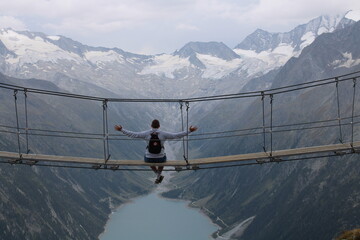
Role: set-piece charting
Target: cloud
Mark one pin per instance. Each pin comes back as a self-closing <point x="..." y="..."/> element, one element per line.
<point x="121" y="13"/>
<point x="164" y="23"/>
<point x="12" y="22"/>
<point x="113" y="15"/>
<point x="147" y="50"/>
<point x="272" y="14"/>
<point x="186" y="27"/>
<point x="89" y="26"/>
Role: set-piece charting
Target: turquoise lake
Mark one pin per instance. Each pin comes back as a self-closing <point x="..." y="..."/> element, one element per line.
<point x="154" y="217"/>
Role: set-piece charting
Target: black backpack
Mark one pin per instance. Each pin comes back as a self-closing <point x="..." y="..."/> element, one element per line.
<point x="154" y="144"/>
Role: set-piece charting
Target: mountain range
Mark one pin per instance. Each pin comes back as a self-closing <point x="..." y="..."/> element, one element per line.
<point x="196" y="68"/>
<point x="314" y="199"/>
<point x="324" y="47"/>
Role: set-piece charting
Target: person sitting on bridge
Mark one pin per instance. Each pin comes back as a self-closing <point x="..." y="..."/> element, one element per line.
<point x="155" y="150"/>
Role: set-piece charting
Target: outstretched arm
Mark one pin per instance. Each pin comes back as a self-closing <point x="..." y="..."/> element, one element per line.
<point x="180" y="134"/>
<point x="130" y="133"/>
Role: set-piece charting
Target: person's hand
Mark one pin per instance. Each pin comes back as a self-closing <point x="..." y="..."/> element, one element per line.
<point x="118" y="127"/>
<point x="192" y="128"/>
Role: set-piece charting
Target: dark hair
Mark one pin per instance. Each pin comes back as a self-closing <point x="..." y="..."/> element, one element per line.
<point x="155" y="123"/>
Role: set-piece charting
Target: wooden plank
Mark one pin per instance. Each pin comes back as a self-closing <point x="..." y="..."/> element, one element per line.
<point x="181" y="163"/>
<point x="82" y="160"/>
<point x="356" y="145"/>
<point x="312" y="150"/>
<point x="230" y="158"/>
<point x="278" y="153"/>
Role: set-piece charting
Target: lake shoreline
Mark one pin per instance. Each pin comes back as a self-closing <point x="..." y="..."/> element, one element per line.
<point x="190" y="204"/>
<point x="115" y="209"/>
<point x="157" y="192"/>
<point x="214" y="219"/>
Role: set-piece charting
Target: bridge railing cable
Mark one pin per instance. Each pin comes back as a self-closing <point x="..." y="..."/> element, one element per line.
<point x="274" y="91"/>
<point x="264" y="130"/>
<point x="193" y="137"/>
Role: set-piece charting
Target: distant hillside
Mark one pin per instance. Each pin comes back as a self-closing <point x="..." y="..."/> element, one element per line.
<point x="302" y="200"/>
<point x="314" y="199"/>
<point x="52" y="203"/>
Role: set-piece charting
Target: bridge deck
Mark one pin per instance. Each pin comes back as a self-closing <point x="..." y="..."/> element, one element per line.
<point x="193" y="162"/>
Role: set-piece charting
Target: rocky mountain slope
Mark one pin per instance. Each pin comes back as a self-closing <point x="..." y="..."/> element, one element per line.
<point x="51" y="203"/>
<point x="314" y="199"/>
<point x="198" y="69"/>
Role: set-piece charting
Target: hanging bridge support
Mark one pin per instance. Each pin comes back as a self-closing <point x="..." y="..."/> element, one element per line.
<point x="271" y="96"/>
<point x="338" y="109"/>
<point x="106" y="131"/>
<point x="26" y="122"/>
<point x="182" y="129"/>
<point x="263" y="120"/>
<point x="17" y="123"/>
<point x="268" y="127"/>
<point x="187" y="129"/>
<point x="271" y="124"/>
<point x="353" y="111"/>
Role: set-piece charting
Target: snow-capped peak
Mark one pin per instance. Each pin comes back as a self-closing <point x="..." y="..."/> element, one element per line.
<point x="262" y="40"/>
<point x="353" y="15"/>
<point x="273" y="50"/>
<point x="31" y="48"/>
<point x="216" y="49"/>
<point x="196" y="67"/>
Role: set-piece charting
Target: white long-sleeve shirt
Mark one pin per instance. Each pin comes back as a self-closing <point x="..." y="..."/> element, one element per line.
<point x="146" y="135"/>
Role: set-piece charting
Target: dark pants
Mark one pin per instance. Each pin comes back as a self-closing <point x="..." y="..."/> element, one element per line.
<point x="155" y="160"/>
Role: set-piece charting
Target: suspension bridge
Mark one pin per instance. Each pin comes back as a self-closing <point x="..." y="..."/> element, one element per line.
<point x="266" y="131"/>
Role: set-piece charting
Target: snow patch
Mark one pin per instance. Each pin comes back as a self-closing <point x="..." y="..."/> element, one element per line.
<point x="217" y="68"/>
<point x="307" y="39"/>
<point x="347" y="62"/>
<point x="284" y="49"/>
<point x="323" y="29"/>
<point x="99" y="56"/>
<point x="166" y="65"/>
<point x="353" y="15"/>
<point x="266" y="60"/>
<point x="246" y="53"/>
<point x="32" y="50"/>
<point x="54" y="38"/>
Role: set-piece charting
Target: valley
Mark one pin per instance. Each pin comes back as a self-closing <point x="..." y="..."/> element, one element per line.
<point x="292" y="200"/>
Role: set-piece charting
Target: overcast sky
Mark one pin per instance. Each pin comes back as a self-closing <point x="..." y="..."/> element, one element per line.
<point x="162" y="26"/>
